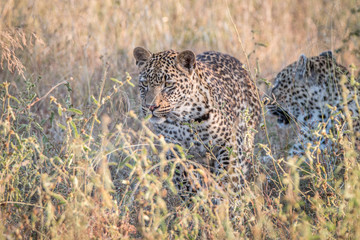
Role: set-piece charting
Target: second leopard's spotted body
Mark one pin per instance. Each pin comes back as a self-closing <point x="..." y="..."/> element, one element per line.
<point x="201" y="102"/>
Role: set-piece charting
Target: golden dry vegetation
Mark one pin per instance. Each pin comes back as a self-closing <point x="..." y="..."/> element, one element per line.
<point x="77" y="162"/>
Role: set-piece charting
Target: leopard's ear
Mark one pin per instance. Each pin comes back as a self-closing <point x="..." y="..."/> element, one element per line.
<point x="328" y="54"/>
<point x="141" y="55"/>
<point x="187" y="61"/>
<point x="301" y="67"/>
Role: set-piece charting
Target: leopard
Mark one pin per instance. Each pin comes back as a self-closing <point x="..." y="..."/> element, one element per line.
<point x="316" y="93"/>
<point x="205" y="103"/>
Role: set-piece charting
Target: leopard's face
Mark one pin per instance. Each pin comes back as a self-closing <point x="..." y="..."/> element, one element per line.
<point x="165" y="87"/>
<point x="281" y="94"/>
<point x="303" y="89"/>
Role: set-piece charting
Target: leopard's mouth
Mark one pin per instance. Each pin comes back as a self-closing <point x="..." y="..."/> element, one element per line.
<point x="156" y="116"/>
<point x="158" y="120"/>
<point x="283" y="116"/>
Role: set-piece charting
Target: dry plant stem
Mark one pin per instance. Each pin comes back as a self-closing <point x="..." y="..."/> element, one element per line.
<point x="356" y="85"/>
<point x="43" y="97"/>
<point x="20" y="203"/>
<point x="248" y="64"/>
<point x="9" y="114"/>
<point x="275" y="167"/>
<point x="106" y="68"/>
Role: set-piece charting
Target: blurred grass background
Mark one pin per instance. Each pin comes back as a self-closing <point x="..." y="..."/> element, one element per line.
<point x="75" y="34"/>
<point x="55" y="179"/>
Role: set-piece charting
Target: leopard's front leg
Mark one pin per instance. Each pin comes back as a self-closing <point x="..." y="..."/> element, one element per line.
<point x="231" y="169"/>
<point x="187" y="180"/>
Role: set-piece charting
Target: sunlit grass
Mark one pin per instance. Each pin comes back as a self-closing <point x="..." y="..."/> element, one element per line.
<point x="76" y="161"/>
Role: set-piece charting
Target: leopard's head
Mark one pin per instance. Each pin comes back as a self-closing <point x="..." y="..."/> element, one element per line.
<point x="166" y="83"/>
<point x="301" y="89"/>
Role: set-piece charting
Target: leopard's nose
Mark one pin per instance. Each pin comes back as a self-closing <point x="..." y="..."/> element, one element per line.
<point x="152" y="107"/>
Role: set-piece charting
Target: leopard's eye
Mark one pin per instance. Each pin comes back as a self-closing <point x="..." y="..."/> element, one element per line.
<point x="143" y="86"/>
<point x="169" y="84"/>
<point x="144" y="82"/>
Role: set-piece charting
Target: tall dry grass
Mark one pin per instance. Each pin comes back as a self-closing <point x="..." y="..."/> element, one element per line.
<point x="76" y="162"/>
